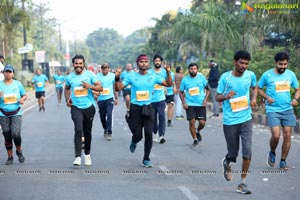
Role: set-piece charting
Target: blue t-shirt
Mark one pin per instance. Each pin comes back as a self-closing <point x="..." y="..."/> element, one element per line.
<point x="81" y="97"/>
<point x="39" y="82"/>
<point x="278" y="88"/>
<point x="10" y="96"/>
<point x="236" y="109"/>
<point x="170" y="90"/>
<point x="107" y="83"/>
<point x="142" y="87"/>
<point x="59" y="80"/>
<point x="159" y="90"/>
<point x="194" y="89"/>
<point x="124" y="74"/>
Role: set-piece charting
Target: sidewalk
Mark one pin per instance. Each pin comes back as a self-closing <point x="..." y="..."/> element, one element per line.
<point x="261" y="119"/>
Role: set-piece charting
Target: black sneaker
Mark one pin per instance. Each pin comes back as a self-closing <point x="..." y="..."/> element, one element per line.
<point x="199" y="137"/>
<point x="195" y="143"/>
<point x="162" y="140"/>
<point x="105" y="133"/>
<point x="170" y="124"/>
<point x="43" y="108"/>
<point x="10" y="161"/>
<point x="20" y="156"/>
<point x="40" y="109"/>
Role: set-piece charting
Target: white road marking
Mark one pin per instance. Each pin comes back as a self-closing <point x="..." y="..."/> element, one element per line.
<point x="188" y="193"/>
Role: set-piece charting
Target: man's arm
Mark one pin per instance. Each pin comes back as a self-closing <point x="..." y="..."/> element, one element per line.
<point x="296" y="97"/>
<point x="254" y="96"/>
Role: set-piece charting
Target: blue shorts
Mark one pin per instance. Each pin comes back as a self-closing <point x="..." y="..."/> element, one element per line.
<point x="285" y="118"/>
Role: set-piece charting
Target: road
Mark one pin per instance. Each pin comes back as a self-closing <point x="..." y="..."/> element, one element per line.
<point x="179" y="172"/>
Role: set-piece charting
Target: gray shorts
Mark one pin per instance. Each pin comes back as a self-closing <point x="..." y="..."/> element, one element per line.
<point x="232" y="134"/>
<point x="285" y="118"/>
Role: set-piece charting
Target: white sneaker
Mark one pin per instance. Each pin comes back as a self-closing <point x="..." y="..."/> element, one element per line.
<point x="87" y="160"/>
<point x="156" y="137"/>
<point x="77" y="161"/>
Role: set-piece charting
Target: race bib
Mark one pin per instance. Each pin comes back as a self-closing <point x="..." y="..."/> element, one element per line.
<point x="194" y="91"/>
<point x="282" y="86"/>
<point x="105" y="91"/>
<point x="10" y="99"/>
<point x="239" y="103"/>
<point x="80" y="92"/>
<point x="58" y="82"/>
<point x="158" y="87"/>
<point x="39" y="84"/>
<point x="142" y="95"/>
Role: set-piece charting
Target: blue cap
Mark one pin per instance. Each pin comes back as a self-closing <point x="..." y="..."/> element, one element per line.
<point x="8" y="67"/>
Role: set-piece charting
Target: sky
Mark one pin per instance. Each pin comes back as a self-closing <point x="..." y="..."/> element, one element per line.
<point x="78" y="18"/>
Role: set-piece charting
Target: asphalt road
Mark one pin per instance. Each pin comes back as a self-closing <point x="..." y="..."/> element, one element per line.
<point x="179" y="172"/>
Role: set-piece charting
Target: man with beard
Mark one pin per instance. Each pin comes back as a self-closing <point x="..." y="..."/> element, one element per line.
<point x="141" y="111"/>
<point x="79" y="96"/>
<point x="234" y="91"/>
<point x="194" y="93"/>
<point x="279" y="106"/>
<point x="159" y="101"/>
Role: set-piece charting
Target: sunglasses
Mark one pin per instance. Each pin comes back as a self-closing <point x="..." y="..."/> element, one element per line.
<point x="8" y="71"/>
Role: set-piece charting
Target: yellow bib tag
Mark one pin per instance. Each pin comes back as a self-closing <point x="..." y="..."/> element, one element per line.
<point x="282" y="86"/>
<point x="39" y="84"/>
<point x="158" y="87"/>
<point x="10" y="99"/>
<point x="105" y="91"/>
<point x="80" y="92"/>
<point x="142" y="95"/>
<point x="239" y="103"/>
<point x="194" y="91"/>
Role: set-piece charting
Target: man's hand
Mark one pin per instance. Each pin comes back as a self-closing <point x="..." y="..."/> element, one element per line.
<point x="85" y="85"/>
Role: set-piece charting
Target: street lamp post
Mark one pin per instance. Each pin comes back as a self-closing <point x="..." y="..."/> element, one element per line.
<point x="25" y="62"/>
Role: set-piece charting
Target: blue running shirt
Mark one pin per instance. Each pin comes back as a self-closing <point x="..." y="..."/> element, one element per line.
<point x="59" y="80"/>
<point x="236" y="109"/>
<point x="39" y="82"/>
<point x="142" y="87"/>
<point x="124" y="74"/>
<point x="159" y="90"/>
<point x="194" y="89"/>
<point x="12" y="94"/>
<point x="81" y="97"/>
<point x="278" y="87"/>
<point x="107" y="83"/>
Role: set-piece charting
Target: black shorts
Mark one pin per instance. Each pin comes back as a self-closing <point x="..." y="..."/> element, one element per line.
<point x="196" y="112"/>
<point x="126" y="92"/>
<point x="39" y="94"/>
<point x="170" y="99"/>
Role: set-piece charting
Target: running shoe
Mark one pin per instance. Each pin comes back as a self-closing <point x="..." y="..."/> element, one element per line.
<point x="271" y="159"/>
<point x="195" y="143"/>
<point x="87" y="160"/>
<point x="283" y="165"/>
<point x="10" y="161"/>
<point x="77" y="161"/>
<point x="243" y="189"/>
<point x="20" y="156"/>
<point x="226" y="170"/>
<point x="147" y="163"/>
<point x="132" y="147"/>
<point x="199" y="137"/>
